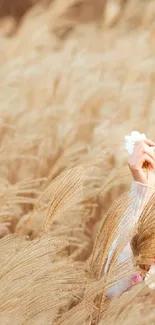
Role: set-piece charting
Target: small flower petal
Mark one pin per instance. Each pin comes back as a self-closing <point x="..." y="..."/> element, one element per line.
<point x="132" y="139"/>
<point x="129" y="147"/>
<point x="128" y="138"/>
<point x="135" y="134"/>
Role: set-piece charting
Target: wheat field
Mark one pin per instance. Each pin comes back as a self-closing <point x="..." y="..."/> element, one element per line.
<point x="75" y="77"/>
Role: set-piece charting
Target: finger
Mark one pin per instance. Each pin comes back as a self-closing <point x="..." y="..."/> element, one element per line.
<point x="142" y="147"/>
<point x="142" y="143"/>
<point x="149" y="160"/>
<point x="149" y="142"/>
<point x="147" y="150"/>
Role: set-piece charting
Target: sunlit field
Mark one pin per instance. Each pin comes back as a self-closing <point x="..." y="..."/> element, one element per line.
<point x="75" y="78"/>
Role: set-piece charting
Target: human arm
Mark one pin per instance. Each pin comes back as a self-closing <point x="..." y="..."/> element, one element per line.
<point x="140" y="194"/>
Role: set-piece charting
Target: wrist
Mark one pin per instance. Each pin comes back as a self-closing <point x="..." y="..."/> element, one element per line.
<point x="139" y="176"/>
<point x="146" y="178"/>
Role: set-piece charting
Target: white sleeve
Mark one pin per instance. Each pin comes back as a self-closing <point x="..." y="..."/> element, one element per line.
<point x="140" y="195"/>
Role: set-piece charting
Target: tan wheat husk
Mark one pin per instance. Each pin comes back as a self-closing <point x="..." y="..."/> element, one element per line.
<point x="74" y="80"/>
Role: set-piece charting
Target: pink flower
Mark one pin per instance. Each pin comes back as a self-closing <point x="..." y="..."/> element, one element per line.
<point x="137" y="278"/>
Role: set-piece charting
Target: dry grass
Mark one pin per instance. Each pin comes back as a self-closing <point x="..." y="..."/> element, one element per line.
<point x="74" y="80"/>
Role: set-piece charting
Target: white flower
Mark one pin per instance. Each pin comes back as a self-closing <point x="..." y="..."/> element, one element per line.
<point x="130" y="140"/>
<point x="149" y="274"/>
